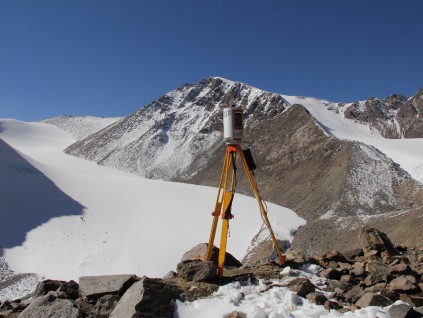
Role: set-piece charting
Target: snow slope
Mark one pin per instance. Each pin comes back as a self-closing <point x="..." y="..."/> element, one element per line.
<point x="123" y="223"/>
<point x="408" y="153"/>
<point x="80" y="127"/>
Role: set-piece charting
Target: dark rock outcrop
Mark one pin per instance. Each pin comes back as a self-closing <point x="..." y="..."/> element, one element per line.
<point x="197" y="271"/>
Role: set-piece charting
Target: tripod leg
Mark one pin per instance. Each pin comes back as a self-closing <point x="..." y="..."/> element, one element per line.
<point x="217" y="208"/>
<point x="262" y="209"/>
<point x="223" y="237"/>
<point x="226" y="214"/>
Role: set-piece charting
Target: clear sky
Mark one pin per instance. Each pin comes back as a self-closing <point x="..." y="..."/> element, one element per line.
<point x="109" y="58"/>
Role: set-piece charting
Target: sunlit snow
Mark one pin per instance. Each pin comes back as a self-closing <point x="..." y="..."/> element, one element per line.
<point x="125" y="224"/>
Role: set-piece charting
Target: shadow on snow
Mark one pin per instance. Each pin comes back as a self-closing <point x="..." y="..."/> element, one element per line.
<point x="27" y="198"/>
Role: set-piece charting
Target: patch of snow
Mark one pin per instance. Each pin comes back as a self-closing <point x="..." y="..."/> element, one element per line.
<point x="22" y="288"/>
<point x="370" y="173"/>
<point x="328" y="215"/>
<point x="260" y="301"/>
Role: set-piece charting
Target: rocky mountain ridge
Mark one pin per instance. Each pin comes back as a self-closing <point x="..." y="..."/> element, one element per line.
<point x="394" y="117"/>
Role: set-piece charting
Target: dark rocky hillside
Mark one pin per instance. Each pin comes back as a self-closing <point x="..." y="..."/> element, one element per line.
<point x="336" y="185"/>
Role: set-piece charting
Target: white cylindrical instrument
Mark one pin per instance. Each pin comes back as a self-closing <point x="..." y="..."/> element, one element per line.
<point x="233" y="126"/>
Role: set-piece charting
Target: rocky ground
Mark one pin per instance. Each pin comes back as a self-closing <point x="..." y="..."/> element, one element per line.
<point x="377" y="274"/>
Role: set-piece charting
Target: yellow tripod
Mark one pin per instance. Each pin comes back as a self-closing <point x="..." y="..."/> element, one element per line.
<point x="224" y="200"/>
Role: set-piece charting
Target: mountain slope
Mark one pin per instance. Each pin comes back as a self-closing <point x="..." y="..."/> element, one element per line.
<point x="323" y="179"/>
<point x="163" y="138"/>
<point x="80" y="127"/>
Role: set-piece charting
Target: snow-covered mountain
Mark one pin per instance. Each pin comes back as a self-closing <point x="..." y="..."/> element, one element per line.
<point x="162" y="139"/>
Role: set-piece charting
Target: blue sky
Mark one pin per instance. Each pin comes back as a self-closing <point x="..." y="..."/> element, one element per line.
<point x="109" y="58"/>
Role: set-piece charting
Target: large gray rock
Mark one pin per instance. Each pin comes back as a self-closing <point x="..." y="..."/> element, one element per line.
<point x="354" y="294"/>
<point x="302" y="286"/>
<point x="197" y="271"/>
<point x="52" y="307"/>
<point x="402" y="284"/>
<point x="372" y="299"/>
<point x="373" y="239"/>
<point x="147" y="298"/>
<point x="198" y="252"/>
<point x="401" y="311"/>
<point x="377" y="269"/>
<point x="94" y="287"/>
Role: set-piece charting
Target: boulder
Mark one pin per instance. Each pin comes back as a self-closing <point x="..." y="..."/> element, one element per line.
<point x="317" y="298"/>
<point x="371" y="280"/>
<point x="351" y="254"/>
<point x="377" y="269"/>
<point x="67" y="290"/>
<point x="235" y="314"/>
<point x="198" y="252"/>
<point x="346" y="279"/>
<point x="373" y="239"/>
<point x="294" y="256"/>
<point x="344" y="267"/>
<point x="400" y="268"/>
<point x="413" y="300"/>
<point x="197" y="271"/>
<point x="354" y="294"/>
<point x="401" y="311"/>
<point x="333" y="255"/>
<point x="302" y="286"/>
<point x="419" y="310"/>
<point x="104" y="306"/>
<point x="149" y="297"/>
<point x="94" y="287"/>
<point x="357" y="270"/>
<point x="402" y="284"/>
<point x="333" y="284"/>
<point x="170" y="275"/>
<point x="330" y="273"/>
<point x="53" y="307"/>
<point x="376" y="288"/>
<point x="331" y="305"/>
<point x="372" y="299"/>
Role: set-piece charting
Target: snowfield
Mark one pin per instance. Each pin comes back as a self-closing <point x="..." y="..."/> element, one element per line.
<point x="114" y="222"/>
